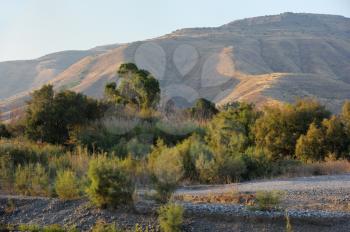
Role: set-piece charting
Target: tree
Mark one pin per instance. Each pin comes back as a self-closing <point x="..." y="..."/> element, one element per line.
<point x="327" y="139"/>
<point x="345" y="116"/>
<point x="310" y="147"/>
<point x="4" y="133"/>
<point x="203" y="109"/>
<point x="137" y="87"/>
<point x="278" y="130"/>
<point x="335" y="136"/>
<point x="230" y="131"/>
<point x="51" y="116"/>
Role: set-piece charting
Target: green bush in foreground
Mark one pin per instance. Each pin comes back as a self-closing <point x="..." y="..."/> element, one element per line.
<point x="168" y="171"/>
<point x="101" y="226"/>
<point x="30" y="228"/>
<point x="32" y="179"/>
<point x="66" y="185"/>
<point x="49" y="228"/>
<point x="268" y="200"/>
<point x="109" y="183"/>
<point x="171" y="217"/>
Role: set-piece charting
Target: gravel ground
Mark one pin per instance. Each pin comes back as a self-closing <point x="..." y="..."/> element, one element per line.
<point x="335" y="182"/>
<point x="328" y="193"/>
<point x="313" y="204"/>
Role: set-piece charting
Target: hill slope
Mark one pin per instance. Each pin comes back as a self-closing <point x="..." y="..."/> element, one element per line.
<point x="264" y="60"/>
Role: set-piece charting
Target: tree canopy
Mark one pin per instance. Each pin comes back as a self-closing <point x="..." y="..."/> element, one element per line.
<point x="278" y="130"/>
<point x="137" y="87"/>
<point x="50" y="116"/>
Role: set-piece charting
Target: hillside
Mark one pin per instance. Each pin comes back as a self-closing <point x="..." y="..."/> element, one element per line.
<point x="264" y="60"/>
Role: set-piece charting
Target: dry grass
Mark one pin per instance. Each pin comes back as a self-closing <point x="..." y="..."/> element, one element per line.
<point x="330" y="167"/>
<point x="228" y="197"/>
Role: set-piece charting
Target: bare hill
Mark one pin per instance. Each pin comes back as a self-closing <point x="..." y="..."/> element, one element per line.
<point x="266" y="60"/>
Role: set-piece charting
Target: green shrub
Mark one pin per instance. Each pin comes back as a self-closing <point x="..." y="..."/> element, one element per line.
<point x="32" y="179"/>
<point x="22" y="151"/>
<point x="109" y="183"/>
<point x="190" y="150"/>
<point x="257" y="164"/>
<point x="170" y="217"/>
<point x="67" y="186"/>
<point x="168" y="171"/>
<point x="54" y="228"/>
<point x="206" y="168"/>
<point x="7" y="172"/>
<point x="230" y="168"/>
<point x="49" y="228"/>
<point x="101" y="226"/>
<point x="4" y="133"/>
<point x="29" y="228"/>
<point x="268" y="200"/>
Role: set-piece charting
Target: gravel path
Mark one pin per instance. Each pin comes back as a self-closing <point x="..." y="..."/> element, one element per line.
<point x="328" y="193"/>
<point x="333" y="183"/>
<point x="314" y="204"/>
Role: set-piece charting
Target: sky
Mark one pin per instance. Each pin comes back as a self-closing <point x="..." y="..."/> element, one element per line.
<point x="32" y="28"/>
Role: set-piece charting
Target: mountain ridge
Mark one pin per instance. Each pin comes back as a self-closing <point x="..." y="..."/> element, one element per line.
<point x="265" y="60"/>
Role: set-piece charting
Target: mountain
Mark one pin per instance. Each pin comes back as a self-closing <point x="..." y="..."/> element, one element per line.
<point x="265" y="60"/>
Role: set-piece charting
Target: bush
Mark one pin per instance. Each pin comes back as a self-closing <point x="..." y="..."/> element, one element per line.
<point x="230" y="168"/>
<point x="266" y="200"/>
<point x="101" y="226"/>
<point x="206" y="168"/>
<point x="32" y="179"/>
<point x="4" y="133"/>
<point x="279" y="129"/>
<point x="109" y="183"/>
<point x="7" y="172"/>
<point x="54" y="228"/>
<point x="22" y="151"/>
<point x="49" y="228"/>
<point x="67" y="186"/>
<point x="168" y="171"/>
<point x="171" y="218"/>
<point x="257" y="164"/>
<point x="29" y="228"/>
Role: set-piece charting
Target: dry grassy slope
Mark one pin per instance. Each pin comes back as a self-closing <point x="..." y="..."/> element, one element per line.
<point x="265" y="60"/>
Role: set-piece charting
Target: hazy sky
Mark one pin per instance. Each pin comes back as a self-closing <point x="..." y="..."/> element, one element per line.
<point x="32" y="28"/>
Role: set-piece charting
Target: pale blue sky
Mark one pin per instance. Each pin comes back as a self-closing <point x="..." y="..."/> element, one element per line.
<point x="32" y="28"/>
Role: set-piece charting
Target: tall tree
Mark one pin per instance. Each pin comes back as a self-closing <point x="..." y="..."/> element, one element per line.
<point x="279" y="129"/>
<point x="50" y="116"/>
<point x="203" y="109"/>
<point x="137" y="87"/>
<point x="310" y="147"/>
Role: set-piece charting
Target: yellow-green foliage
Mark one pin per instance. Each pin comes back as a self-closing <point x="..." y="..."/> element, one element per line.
<point x="101" y="226"/>
<point x="67" y="186"/>
<point x="54" y="228"/>
<point x="6" y="172"/>
<point x="49" y="228"/>
<point x="110" y="184"/>
<point x="29" y="228"/>
<point x="171" y="217"/>
<point x="268" y="200"/>
<point x="167" y="169"/>
<point x="23" y="151"/>
<point x="289" y="227"/>
<point x="31" y="179"/>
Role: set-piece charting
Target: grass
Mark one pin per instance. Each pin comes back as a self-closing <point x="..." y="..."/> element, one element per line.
<point x="268" y="200"/>
<point x="232" y="196"/>
<point x="329" y="167"/>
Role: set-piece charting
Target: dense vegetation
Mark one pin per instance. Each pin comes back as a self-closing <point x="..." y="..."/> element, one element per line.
<point x="69" y="145"/>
